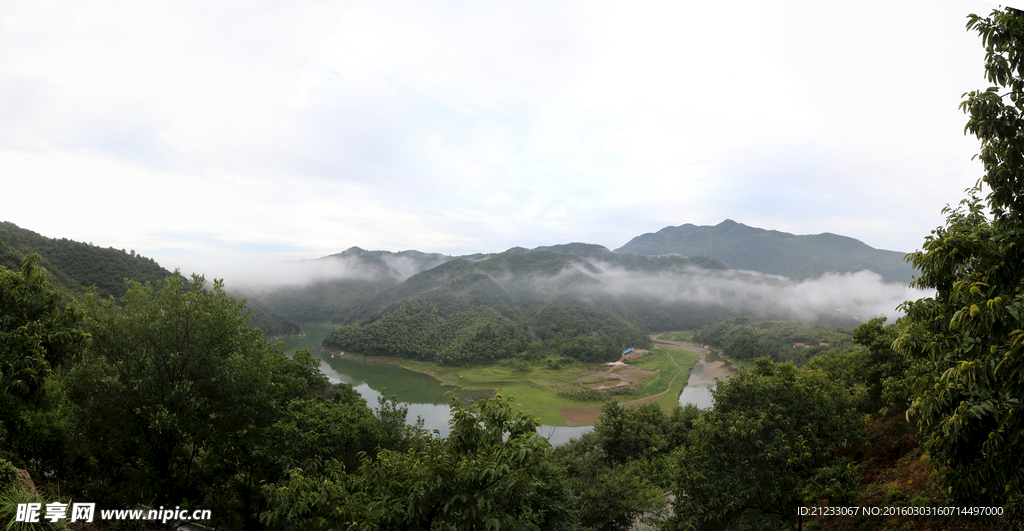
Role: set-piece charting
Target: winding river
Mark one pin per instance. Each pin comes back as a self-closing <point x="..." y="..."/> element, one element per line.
<point x="425" y="397"/>
<point x="420" y="393"/>
<point x="702" y="381"/>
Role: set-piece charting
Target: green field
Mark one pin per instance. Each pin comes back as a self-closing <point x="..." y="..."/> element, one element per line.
<point x="676" y="336"/>
<point x="536" y="390"/>
<point x="686" y="360"/>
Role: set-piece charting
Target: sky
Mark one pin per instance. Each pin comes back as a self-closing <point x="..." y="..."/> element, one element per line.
<point x="211" y="134"/>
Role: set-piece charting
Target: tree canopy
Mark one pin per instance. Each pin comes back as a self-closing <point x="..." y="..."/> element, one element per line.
<point x="769" y="446"/>
<point x="175" y="387"/>
<point x="39" y="335"/>
<point x="490" y="473"/>
<point x="965" y="342"/>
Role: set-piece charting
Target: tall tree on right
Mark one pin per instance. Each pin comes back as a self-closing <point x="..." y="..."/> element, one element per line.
<point x="965" y="343"/>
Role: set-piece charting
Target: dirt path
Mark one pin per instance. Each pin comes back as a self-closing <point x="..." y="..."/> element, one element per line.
<point x="685" y="345"/>
<point x="585" y="415"/>
<point x="657" y="397"/>
<point x="721" y="370"/>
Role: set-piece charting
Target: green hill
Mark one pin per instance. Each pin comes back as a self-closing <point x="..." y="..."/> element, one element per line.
<point x="358" y="275"/>
<point x="768" y="251"/>
<point x="74" y="266"/>
<point x="561" y="300"/>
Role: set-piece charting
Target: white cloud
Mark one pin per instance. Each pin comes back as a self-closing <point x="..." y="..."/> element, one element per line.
<point x="272" y="131"/>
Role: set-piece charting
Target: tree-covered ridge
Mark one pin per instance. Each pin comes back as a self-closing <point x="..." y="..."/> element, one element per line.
<point x="73" y="267"/>
<point x="362" y="275"/>
<point x="550" y="299"/>
<point x="768" y="251"/>
<point x="366" y="282"/>
<point x="745" y="338"/>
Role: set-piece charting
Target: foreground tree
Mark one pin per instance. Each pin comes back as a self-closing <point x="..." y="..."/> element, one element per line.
<point x="883" y="371"/>
<point x="175" y="397"/>
<point x="768" y="447"/>
<point x="627" y="433"/>
<point x="610" y="496"/>
<point x="492" y="472"/>
<point x="38" y="335"/>
<point x="966" y="341"/>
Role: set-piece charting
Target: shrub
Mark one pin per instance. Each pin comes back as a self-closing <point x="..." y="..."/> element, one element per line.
<point x="8" y="476"/>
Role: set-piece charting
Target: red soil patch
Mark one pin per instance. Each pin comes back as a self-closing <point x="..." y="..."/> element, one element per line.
<point x="580" y="415"/>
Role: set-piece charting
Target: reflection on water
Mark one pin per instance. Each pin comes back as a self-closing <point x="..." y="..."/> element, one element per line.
<point x="420" y="393"/>
<point x="702" y="381"/>
<point x="698" y="395"/>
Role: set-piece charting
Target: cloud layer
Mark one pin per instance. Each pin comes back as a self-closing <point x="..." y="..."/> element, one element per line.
<point x="859" y="295"/>
<point x="210" y="134"/>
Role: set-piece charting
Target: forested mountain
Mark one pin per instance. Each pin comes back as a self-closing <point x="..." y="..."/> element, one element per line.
<point x="768" y="251"/>
<point x="576" y="300"/>
<point x="165" y="396"/>
<point x="747" y="339"/>
<point x="340" y="282"/>
<point x="74" y="266"/>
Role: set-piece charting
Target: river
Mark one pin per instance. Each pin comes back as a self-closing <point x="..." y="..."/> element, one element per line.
<point x="420" y="393"/>
<point x="702" y="381"/>
<point x="424" y="396"/>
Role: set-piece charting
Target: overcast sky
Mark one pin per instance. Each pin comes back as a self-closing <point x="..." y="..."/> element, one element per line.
<point x="205" y="134"/>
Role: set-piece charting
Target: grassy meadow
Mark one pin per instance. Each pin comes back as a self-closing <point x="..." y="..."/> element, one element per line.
<point x="535" y="387"/>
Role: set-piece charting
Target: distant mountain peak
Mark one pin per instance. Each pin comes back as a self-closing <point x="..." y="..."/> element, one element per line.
<point x="798" y="257"/>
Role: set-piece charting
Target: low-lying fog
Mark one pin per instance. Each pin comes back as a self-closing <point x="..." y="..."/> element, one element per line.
<point x="260" y="278"/>
<point x="860" y="295"/>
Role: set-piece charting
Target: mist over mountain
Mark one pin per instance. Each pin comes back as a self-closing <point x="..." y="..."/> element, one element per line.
<point x="75" y="266"/>
<point x="549" y="299"/>
<point x="326" y="289"/>
<point x="798" y="257"/>
<point x="494" y="305"/>
<point x="587" y="302"/>
<point x="572" y="291"/>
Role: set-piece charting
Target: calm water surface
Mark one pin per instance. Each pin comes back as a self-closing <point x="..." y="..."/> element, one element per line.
<point x="423" y="395"/>
<point x="701" y="383"/>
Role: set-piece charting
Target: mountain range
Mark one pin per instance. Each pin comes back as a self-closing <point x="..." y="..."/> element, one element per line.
<point x="575" y="297"/>
<point x="798" y="257"/>
<point x="75" y="266"/>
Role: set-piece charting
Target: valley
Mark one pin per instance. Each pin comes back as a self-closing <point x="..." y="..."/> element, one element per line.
<point x="564" y="336"/>
<point x="657" y="375"/>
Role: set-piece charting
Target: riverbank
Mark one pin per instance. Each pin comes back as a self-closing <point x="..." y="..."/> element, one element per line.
<point x="657" y="375"/>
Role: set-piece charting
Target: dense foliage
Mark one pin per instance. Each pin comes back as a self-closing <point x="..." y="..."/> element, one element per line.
<point x="73" y="267"/>
<point x="491" y="472"/>
<point x="39" y="335"/>
<point x="965" y="343"/>
<point x="175" y="378"/>
<point x="769" y="446"/>
<point x="166" y="396"/>
<point x="744" y="338"/>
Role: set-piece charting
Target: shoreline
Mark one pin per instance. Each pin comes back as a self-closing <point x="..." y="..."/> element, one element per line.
<point x="550" y="405"/>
